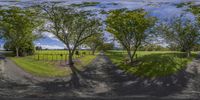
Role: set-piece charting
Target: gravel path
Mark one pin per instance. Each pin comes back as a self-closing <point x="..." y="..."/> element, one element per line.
<point x="104" y="80"/>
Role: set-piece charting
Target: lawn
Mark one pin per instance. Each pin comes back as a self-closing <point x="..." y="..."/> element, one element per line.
<point x="152" y="63"/>
<point x="49" y="68"/>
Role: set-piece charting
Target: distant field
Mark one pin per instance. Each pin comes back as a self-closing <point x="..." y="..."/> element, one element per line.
<point x="152" y="63"/>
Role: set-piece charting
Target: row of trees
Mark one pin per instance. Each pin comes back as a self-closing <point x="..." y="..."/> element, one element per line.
<point x="132" y="29"/>
<point x="75" y="28"/>
<point x="20" y="27"/>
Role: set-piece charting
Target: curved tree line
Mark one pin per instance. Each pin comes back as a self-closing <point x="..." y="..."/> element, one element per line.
<point x="20" y="27"/>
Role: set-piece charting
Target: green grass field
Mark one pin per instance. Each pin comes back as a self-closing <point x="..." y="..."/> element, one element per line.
<point x="57" y="54"/>
<point x="152" y="63"/>
<point x="50" y="68"/>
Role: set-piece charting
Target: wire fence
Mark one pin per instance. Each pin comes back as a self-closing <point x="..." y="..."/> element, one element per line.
<point x="58" y="56"/>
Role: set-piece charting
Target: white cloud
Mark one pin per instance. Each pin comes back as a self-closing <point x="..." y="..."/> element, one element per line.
<point x="50" y="35"/>
<point x="45" y="46"/>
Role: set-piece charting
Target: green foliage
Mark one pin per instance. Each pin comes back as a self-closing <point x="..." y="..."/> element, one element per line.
<point x="106" y="46"/>
<point x="180" y="5"/>
<point x="26" y="49"/>
<point x="183" y="33"/>
<point x="38" y="48"/>
<point x="196" y="47"/>
<point x="152" y="47"/>
<point x="94" y="42"/>
<point x="195" y="9"/>
<point x="70" y="26"/>
<point x="17" y="28"/>
<point x="85" y="4"/>
<point x="129" y="28"/>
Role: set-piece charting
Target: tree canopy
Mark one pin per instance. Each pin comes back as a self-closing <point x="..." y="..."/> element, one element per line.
<point x="17" y="27"/>
<point x="129" y="28"/>
<point x="73" y="28"/>
<point x="181" y="32"/>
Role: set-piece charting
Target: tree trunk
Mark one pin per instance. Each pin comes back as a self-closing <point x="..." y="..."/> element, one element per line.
<point x="130" y="56"/>
<point x="70" y="60"/>
<point x="17" y="51"/>
<point x="188" y="53"/>
<point x="134" y="52"/>
<point x="75" y="80"/>
<point x="93" y="51"/>
<point x="74" y="77"/>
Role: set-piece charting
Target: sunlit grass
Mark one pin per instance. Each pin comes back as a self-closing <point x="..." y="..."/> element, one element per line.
<point x="39" y="68"/>
<point x="47" y="69"/>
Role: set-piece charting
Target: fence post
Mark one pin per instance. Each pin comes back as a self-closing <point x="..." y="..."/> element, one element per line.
<point x="61" y="57"/>
<point x="56" y="57"/>
<point x="38" y="57"/>
<point x="66" y="57"/>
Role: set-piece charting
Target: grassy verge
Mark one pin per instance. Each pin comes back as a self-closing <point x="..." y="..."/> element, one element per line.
<point x="152" y="63"/>
<point x="47" y="69"/>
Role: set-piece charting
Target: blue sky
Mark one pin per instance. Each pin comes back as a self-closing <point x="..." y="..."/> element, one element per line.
<point x="158" y="8"/>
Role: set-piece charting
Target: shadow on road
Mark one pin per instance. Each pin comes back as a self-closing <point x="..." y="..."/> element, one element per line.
<point x="103" y="79"/>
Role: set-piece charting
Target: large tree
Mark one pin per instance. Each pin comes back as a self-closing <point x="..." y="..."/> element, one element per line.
<point x="129" y="28"/>
<point x="182" y="32"/>
<point x="17" y="27"/>
<point x="72" y="27"/>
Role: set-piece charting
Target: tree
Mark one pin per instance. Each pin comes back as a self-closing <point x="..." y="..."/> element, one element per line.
<point x="7" y="46"/>
<point x="38" y="48"/>
<point x="195" y="9"/>
<point x="106" y="46"/>
<point x="72" y="27"/>
<point x="17" y="26"/>
<point x="181" y="32"/>
<point x="26" y="49"/>
<point x="129" y="28"/>
<point x="94" y="42"/>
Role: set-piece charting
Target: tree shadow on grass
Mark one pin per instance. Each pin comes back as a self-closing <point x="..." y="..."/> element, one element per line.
<point x="143" y="82"/>
<point x="129" y="84"/>
<point x="158" y="65"/>
<point x="65" y="86"/>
